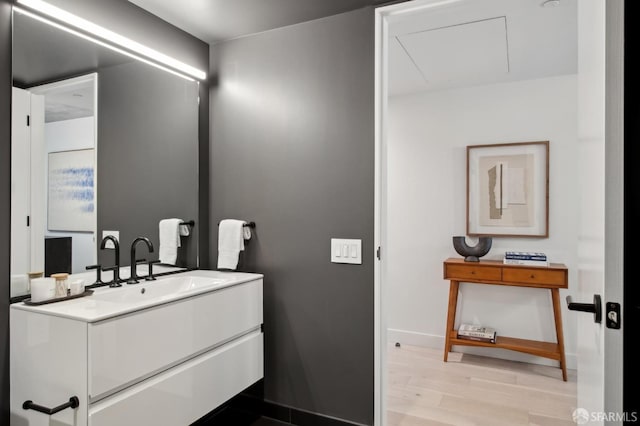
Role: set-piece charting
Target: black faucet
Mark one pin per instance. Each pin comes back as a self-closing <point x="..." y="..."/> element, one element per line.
<point x="134" y="261"/>
<point x="116" y="268"/>
<point x="98" y="281"/>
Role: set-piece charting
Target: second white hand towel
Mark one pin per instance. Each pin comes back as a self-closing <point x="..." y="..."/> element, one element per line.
<point x="169" y="240"/>
<point x="231" y="236"/>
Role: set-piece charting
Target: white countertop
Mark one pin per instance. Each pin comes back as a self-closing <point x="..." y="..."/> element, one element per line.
<point x="108" y="302"/>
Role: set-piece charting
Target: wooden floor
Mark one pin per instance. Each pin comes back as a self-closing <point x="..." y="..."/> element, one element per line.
<point x="472" y="390"/>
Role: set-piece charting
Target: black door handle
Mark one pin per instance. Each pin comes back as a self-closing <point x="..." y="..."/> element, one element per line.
<point x="595" y="308"/>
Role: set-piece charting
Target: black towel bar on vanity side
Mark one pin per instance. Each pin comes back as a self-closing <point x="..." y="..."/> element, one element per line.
<point x="248" y="224"/>
<point x="74" y="402"/>
<point x="189" y="223"/>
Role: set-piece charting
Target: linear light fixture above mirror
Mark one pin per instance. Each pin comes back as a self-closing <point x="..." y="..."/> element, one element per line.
<point x="108" y="38"/>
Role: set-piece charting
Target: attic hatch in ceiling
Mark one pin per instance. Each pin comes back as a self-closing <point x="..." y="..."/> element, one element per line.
<point x="465" y="52"/>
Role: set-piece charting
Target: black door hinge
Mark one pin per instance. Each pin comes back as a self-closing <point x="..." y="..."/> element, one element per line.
<point x="28" y="120"/>
<point x="28" y="221"/>
<point x="378" y="253"/>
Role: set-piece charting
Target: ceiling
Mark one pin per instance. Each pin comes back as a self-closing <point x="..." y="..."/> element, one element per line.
<point x="482" y="42"/>
<point x="69" y="102"/>
<point x="216" y="20"/>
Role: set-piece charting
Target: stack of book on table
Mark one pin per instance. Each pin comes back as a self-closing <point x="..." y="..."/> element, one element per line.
<point x="525" y="258"/>
<point x="477" y="333"/>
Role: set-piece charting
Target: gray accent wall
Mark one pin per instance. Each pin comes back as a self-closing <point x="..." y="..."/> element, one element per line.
<point x="5" y="202"/>
<point x="147" y="157"/>
<point x="203" y="227"/>
<point x="292" y="148"/>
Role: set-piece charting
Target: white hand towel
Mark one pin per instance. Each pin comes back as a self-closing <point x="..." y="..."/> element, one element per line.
<point x="169" y="240"/>
<point x="231" y="236"/>
<point x="185" y="230"/>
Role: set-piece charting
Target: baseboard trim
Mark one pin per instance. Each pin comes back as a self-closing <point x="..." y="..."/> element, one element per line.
<point x="249" y="405"/>
<point x="415" y="338"/>
<point x="298" y="417"/>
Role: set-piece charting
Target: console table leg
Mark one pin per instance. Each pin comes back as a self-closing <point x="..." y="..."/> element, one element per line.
<point x="451" y="317"/>
<point x="557" y="313"/>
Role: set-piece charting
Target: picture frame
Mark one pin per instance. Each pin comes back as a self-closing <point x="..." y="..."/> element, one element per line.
<point x="508" y="190"/>
<point x="71" y="191"/>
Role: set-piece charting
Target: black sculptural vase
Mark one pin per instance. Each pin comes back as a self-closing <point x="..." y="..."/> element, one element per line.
<point x="472" y="254"/>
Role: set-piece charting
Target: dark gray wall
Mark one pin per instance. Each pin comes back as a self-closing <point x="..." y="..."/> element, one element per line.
<point x="5" y="202"/>
<point x="203" y="228"/>
<point x="292" y="148"/>
<point x="147" y="156"/>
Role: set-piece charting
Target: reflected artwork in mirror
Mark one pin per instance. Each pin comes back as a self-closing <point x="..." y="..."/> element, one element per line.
<point x="101" y="143"/>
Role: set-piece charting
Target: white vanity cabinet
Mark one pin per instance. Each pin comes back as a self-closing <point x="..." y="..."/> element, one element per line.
<point x="169" y="361"/>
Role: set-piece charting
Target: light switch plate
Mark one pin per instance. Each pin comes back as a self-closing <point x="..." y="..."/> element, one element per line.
<point x="346" y="251"/>
<point x="109" y="244"/>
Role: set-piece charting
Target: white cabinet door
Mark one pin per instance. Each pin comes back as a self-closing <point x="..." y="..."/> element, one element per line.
<point x="48" y="366"/>
<point x="187" y="392"/>
<point x="125" y="350"/>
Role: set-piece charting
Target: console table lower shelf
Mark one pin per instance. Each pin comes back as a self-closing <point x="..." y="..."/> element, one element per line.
<point x="489" y="272"/>
<point x="533" y="347"/>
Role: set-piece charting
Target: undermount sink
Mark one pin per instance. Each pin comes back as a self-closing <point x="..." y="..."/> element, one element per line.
<point x="109" y="302"/>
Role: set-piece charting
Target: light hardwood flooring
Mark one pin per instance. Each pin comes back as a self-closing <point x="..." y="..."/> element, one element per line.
<point x="422" y="390"/>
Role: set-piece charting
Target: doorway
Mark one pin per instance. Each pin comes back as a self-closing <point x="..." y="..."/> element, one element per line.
<point x="457" y="73"/>
<point x="53" y="179"/>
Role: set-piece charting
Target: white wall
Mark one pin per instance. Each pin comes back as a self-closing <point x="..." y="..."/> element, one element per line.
<point x="70" y="135"/>
<point x="428" y="135"/>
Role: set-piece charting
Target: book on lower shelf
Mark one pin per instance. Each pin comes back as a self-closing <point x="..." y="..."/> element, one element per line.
<point x="477" y="339"/>
<point x="477" y="333"/>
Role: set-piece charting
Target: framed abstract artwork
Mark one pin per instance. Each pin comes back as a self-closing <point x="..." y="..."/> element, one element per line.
<point x="71" y="195"/>
<point x="508" y="189"/>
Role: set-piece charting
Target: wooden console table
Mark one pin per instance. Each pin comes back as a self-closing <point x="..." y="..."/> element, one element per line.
<point x="553" y="277"/>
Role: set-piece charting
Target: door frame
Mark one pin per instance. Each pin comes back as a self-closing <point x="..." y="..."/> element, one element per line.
<point x="382" y="17"/>
<point x="614" y="282"/>
<point x="631" y="315"/>
<point x="614" y="179"/>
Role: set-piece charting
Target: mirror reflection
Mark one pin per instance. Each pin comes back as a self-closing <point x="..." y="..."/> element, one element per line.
<point x="102" y="144"/>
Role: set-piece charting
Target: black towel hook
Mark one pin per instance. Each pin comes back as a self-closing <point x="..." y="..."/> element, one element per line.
<point x="247" y="225"/>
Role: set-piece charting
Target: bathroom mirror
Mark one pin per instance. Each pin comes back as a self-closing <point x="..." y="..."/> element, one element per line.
<point x="136" y="165"/>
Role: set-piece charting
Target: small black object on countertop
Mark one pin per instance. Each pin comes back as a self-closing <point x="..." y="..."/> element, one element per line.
<point x="58" y="299"/>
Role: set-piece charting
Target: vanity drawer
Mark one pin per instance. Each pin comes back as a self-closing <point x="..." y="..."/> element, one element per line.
<point x="472" y="272"/>
<point x="127" y="349"/>
<point x="187" y="392"/>
<point x="535" y="276"/>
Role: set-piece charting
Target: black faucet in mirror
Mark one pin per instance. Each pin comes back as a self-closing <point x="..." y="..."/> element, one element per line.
<point x="116" y="267"/>
<point x="134" y="261"/>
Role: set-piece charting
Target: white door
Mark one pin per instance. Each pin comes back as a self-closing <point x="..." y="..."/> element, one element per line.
<point x="601" y="193"/>
<point x="20" y="184"/>
<point x="37" y="185"/>
<point x="27" y="188"/>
